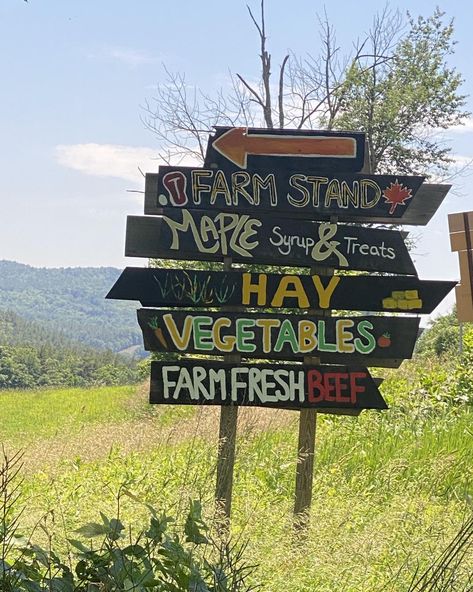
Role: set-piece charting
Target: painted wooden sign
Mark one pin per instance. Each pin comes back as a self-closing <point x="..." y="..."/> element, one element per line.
<point x="191" y="288"/>
<point x="300" y="194"/>
<point x="461" y="240"/>
<point x="325" y="388"/>
<point x="247" y="148"/>
<point x="201" y="235"/>
<point x="333" y="339"/>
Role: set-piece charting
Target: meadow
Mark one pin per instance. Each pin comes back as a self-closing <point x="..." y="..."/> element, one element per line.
<point x="391" y="488"/>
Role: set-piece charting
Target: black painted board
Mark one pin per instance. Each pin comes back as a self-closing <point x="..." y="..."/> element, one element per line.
<point x="274" y="336"/>
<point x="209" y="236"/>
<point x="427" y="201"/>
<point x="359" y="197"/>
<point x="281" y="386"/>
<point x="254" y="149"/>
<point x="192" y="288"/>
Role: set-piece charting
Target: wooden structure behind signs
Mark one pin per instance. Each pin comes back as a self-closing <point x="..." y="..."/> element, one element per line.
<point x="461" y="240"/>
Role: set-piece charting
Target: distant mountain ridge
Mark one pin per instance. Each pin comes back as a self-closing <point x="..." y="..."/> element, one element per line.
<point x="71" y="301"/>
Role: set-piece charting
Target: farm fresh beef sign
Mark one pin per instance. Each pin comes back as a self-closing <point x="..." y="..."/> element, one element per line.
<point x="190" y="234"/>
<point x="262" y="385"/>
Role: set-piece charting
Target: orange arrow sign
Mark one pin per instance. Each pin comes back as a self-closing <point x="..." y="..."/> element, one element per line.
<point x="236" y="144"/>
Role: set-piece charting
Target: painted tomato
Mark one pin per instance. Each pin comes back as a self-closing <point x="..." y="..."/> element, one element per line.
<point x="384" y="340"/>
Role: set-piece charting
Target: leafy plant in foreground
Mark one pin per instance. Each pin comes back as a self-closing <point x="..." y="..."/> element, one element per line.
<point x="156" y="559"/>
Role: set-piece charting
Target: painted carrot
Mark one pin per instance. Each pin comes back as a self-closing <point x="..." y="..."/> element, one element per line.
<point x="153" y="323"/>
<point x="162" y="340"/>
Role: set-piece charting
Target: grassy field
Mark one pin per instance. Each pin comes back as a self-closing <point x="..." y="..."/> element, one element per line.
<point x="391" y="489"/>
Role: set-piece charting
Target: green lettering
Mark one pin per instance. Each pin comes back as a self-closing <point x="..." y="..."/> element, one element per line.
<point x="323" y="345"/>
<point x="287" y="335"/>
<point x="243" y="334"/>
<point x="201" y="334"/>
<point x="362" y="347"/>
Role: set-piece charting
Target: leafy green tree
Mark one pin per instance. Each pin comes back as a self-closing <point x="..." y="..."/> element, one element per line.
<point x="399" y="100"/>
<point x="442" y="337"/>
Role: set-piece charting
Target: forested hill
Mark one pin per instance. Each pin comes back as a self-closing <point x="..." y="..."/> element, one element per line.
<point x="71" y="301"/>
<point x="32" y="356"/>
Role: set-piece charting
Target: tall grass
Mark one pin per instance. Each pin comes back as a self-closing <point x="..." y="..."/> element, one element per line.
<point x="390" y="490"/>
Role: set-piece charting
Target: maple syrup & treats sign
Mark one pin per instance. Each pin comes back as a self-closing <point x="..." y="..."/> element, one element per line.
<point x="193" y="288"/>
<point x="265" y="336"/>
<point x="289" y="386"/>
<point x="205" y="235"/>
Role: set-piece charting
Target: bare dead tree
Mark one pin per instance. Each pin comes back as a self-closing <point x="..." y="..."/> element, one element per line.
<point x="394" y="84"/>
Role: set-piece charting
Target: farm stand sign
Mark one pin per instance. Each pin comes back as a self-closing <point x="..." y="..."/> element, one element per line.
<point x="201" y="235"/>
<point x="286" y="386"/>
<point x="333" y="339"/>
<point x="300" y="195"/>
<point x="178" y="287"/>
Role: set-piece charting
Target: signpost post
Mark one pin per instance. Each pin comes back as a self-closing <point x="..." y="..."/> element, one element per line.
<point x="283" y="198"/>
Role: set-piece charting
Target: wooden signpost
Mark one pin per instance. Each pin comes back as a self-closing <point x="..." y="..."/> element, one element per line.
<point x="255" y="149"/>
<point x="155" y="287"/>
<point x="211" y="236"/>
<point x="360" y="339"/>
<point x="350" y="197"/>
<point x="276" y="197"/>
<point x="284" y="386"/>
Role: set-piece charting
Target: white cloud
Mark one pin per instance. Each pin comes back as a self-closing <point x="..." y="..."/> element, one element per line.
<point x="109" y="160"/>
<point x="462" y="161"/>
<point x="466" y="128"/>
<point x="130" y="56"/>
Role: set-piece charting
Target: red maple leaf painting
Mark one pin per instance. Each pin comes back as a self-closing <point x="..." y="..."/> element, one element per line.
<point x="396" y="195"/>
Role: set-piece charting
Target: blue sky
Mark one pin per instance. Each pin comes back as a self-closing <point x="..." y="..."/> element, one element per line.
<point x="75" y="74"/>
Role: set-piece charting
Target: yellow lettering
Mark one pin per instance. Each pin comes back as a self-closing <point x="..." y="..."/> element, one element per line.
<point x="197" y="186"/>
<point x="180" y="341"/>
<point x="267" y="325"/>
<point x="290" y="287"/>
<point x="365" y="185"/>
<point x="296" y="182"/>
<point x="239" y="181"/>
<point x="325" y="293"/>
<point x="350" y="195"/>
<point x="220" y="186"/>
<point x="227" y="343"/>
<point x="307" y="337"/>
<point x="258" y="288"/>
<point x="333" y="192"/>
<point x="316" y="183"/>
<point x="268" y="183"/>
<point x="344" y="336"/>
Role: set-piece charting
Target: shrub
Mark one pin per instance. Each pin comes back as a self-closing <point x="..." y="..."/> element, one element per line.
<point x="156" y="559"/>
